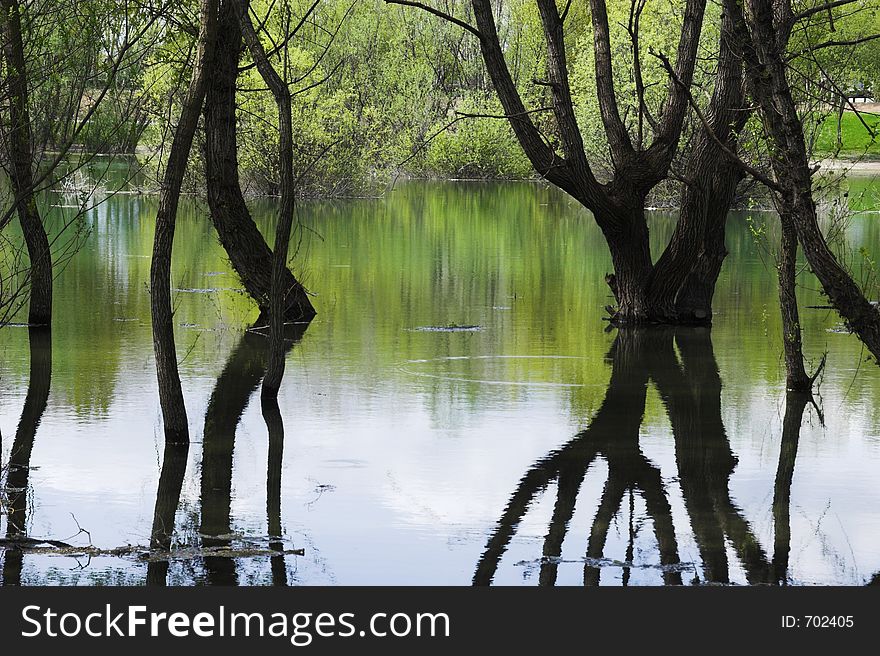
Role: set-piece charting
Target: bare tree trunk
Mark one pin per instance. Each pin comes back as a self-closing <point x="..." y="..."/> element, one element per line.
<point x="279" y="291"/>
<point x="693" y="304"/>
<point x="250" y="256"/>
<point x="684" y="277"/>
<point x="21" y="158"/>
<point x="766" y="70"/>
<point x="631" y="256"/>
<point x="797" y="379"/>
<point x="170" y="391"/>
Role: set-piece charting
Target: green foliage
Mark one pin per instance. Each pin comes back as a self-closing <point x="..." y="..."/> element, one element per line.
<point x="380" y="90"/>
<point x="855" y="138"/>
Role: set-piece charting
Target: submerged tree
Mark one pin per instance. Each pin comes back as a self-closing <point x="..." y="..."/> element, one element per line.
<point x="679" y="287"/>
<point x="20" y="150"/>
<point x="71" y="89"/>
<point x="170" y="391"/>
<point x="250" y="256"/>
<point x="280" y="289"/>
<point x="762" y="28"/>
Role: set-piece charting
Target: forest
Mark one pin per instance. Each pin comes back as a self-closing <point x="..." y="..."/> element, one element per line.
<point x="403" y="222"/>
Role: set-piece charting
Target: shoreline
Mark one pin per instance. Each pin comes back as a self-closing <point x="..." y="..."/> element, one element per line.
<point x="870" y="166"/>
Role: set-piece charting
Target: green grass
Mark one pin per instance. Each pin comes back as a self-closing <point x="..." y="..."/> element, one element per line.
<point x="856" y="139"/>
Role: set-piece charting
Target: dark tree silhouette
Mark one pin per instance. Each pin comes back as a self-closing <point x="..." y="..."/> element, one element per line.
<point x="235" y="386"/>
<point x="18" y="474"/>
<point x="690" y="388"/>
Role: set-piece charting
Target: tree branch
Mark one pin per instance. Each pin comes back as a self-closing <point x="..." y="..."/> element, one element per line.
<point x="615" y="130"/>
<point x="820" y="8"/>
<point x="831" y="44"/>
<point x="436" y="12"/>
<point x="755" y="173"/>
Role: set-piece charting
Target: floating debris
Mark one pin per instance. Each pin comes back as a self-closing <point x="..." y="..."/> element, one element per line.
<point x="145" y="554"/>
<point x="607" y="562"/>
<point x="205" y="290"/>
<point x="451" y="328"/>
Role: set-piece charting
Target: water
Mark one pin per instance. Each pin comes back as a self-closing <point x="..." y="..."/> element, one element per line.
<point x="457" y="411"/>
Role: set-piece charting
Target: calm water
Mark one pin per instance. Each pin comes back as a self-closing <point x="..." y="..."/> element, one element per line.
<point x="527" y="446"/>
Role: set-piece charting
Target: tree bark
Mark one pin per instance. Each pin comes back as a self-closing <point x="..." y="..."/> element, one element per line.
<point x="693" y="304"/>
<point x="250" y="256"/>
<point x="796" y="378"/>
<point x="278" y="290"/>
<point x="170" y="391"/>
<point x="631" y="256"/>
<point x="684" y="277"/>
<point x="766" y="71"/>
<point x="21" y="158"/>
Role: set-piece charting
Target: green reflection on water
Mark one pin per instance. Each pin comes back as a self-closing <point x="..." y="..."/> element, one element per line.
<point x="463" y="296"/>
<point x="519" y="262"/>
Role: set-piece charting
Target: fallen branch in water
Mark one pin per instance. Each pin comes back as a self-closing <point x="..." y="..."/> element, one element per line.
<point x="144" y="554"/>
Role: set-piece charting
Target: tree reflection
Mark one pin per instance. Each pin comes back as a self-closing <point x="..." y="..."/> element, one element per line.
<point x="690" y="388"/>
<point x="18" y="474"/>
<point x="795" y="404"/>
<point x="232" y="392"/>
<point x="167" y="500"/>
<point x="239" y="380"/>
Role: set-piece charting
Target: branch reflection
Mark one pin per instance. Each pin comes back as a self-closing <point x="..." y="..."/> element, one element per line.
<point x="689" y="385"/>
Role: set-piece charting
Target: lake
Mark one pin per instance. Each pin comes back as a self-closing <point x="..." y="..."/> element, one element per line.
<point x="457" y="413"/>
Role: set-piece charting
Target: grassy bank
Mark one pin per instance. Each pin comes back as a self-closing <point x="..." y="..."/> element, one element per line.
<point x="855" y="138"/>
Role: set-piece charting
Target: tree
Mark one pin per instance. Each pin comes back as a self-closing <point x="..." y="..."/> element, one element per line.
<point x="644" y="292"/>
<point x="72" y="87"/>
<point x="762" y="28"/>
<point x="21" y="157"/>
<point x="279" y="291"/>
<point x="250" y="256"/>
<point x="170" y="390"/>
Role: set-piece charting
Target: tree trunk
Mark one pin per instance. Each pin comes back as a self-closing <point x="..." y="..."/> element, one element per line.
<point x="796" y="378"/>
<point x="20" y="152"/>
<point x="278" y="289"/>
<point x="250" y="256"/>
<point x="170" y="391"/>
<point x="631" y="257"/>
<point x="685" y="275"/>
<point x="693" y="304"/>
<point x="766" y="75"/>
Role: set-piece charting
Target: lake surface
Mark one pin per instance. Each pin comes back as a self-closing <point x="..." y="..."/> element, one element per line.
<point x="457" y="412"/>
